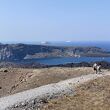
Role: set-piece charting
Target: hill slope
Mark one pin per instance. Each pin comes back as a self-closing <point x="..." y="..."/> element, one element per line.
<point x="24" y="51"/>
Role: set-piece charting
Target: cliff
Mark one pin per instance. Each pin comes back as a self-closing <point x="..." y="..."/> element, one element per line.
<point x="25" y="51"/>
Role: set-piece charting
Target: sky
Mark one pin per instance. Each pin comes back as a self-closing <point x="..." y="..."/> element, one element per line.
<point x="54" y="20"/>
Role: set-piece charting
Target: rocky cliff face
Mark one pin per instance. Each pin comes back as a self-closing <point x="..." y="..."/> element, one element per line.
<point x="5" y="53"/>
<point x="23" y="51"/>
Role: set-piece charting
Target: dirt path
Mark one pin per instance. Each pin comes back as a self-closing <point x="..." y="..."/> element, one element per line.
<point x="32" y="98"/>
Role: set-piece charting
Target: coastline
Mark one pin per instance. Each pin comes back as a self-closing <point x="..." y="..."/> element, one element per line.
<point x="104" y="64"/>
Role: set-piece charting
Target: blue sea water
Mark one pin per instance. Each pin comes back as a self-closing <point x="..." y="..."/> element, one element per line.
<point x="54" y="61"/>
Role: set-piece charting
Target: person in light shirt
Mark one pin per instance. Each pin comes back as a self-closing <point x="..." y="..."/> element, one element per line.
<point x="97" y="68"/>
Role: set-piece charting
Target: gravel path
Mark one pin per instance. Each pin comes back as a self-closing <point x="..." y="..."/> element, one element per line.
<point x="30" y="99"/>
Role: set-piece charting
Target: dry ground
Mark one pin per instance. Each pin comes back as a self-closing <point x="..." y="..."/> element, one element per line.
<point x="93" y="95"/>
<point x="17" y="80"/>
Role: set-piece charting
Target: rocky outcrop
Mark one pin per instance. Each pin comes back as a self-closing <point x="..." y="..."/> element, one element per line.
<point x="21" y="65"/>
<point x="23" y="51"/>
<point x="105" y="65"/>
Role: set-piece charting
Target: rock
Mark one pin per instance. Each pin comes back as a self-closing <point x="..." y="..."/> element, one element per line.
<point x="3" y="70"/>
<point x="16" y="105"/>
<point x="38" y="108"/>
<point x="23" y="104"/>
<point x="33" y="102"/>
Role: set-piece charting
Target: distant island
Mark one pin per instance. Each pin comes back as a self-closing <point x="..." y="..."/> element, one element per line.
<point x="13" y="52"/>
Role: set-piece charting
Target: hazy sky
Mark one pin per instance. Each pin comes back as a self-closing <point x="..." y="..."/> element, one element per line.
<point x="54" y="20"/>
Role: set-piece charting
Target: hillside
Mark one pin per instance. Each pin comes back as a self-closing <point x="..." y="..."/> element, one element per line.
<point x="54" y="96"/>
<point x="25" y="51"/>
<point x="92" y="95"/>
<point x="17" y="79"/>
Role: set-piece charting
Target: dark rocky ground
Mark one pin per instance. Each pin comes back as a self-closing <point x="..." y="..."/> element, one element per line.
<point x="104" y="64"/>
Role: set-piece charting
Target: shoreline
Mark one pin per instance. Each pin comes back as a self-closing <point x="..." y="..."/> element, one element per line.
<point x="7" y="64"/>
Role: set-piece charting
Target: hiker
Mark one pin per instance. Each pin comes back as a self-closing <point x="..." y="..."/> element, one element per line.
<point x="97" y="68"/>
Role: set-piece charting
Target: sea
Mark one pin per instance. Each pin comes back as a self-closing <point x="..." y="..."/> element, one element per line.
<point x="55" y="60"/>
